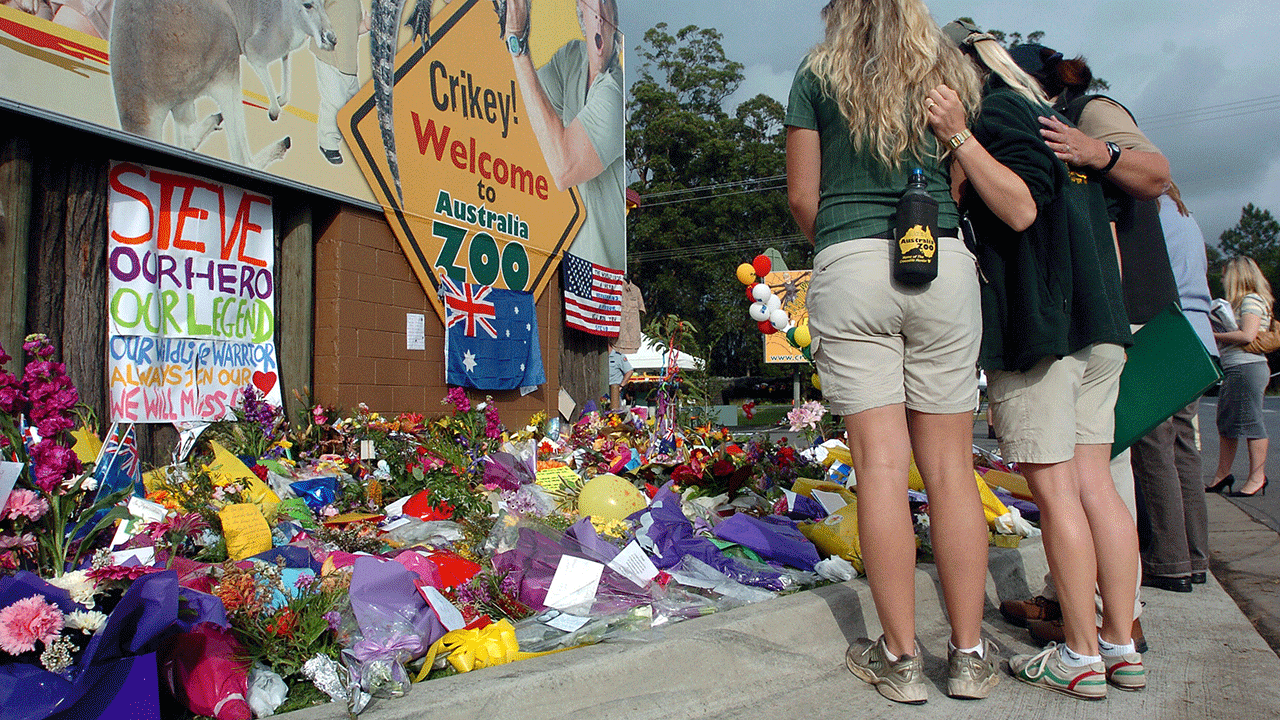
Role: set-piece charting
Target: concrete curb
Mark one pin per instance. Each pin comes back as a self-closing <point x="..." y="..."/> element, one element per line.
<point x="785" y="658"/>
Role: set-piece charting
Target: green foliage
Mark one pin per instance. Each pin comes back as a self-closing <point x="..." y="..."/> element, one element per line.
<point x="713" y="184"/>
<point x="1256" y="235"/>
<point x="667" y="329"/>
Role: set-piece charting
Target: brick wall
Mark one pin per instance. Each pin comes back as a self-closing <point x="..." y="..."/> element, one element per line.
<point x="364" y="288"/>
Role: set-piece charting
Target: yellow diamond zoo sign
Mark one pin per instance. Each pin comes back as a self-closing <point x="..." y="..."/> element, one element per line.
<point x="468" y="192"/>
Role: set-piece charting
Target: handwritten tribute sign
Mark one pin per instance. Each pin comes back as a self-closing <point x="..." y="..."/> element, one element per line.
<point x="191" y="296"/>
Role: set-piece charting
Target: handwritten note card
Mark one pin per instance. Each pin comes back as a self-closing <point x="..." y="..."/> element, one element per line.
<point x="575" y="582"/>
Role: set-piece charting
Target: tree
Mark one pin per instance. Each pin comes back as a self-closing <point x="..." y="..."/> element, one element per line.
<point x="1256" y="235"/>
<point x="713" y="190"/>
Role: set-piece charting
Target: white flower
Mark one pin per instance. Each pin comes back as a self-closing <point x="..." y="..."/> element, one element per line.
<point x="86" y="620"/>
<point x="89" y="484"/>
<point x="78" y="584"/>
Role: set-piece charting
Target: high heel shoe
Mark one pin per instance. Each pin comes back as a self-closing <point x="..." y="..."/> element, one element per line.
<point x="1262" y="490"/>
<point x="1223" y="485"/>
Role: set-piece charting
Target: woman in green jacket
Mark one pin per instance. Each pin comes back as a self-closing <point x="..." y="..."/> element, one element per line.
<point x="1054" y="331"/>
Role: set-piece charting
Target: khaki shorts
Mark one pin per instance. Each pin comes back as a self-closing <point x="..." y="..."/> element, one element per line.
<point x="1042" y="414"/>
<point x="877" y="342"/>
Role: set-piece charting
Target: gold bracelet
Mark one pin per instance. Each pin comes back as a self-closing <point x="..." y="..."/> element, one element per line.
<point x="958" y="139"/>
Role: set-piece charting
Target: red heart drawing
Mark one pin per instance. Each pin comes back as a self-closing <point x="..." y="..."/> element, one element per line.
<point x="264" y="381"/>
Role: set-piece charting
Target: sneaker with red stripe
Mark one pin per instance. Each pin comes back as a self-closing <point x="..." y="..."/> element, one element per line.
<point x="1046" y="669"/>
<point x="1126" y="671"/>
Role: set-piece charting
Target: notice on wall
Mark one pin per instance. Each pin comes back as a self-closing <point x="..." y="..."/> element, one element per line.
<point x="190" y="296"/>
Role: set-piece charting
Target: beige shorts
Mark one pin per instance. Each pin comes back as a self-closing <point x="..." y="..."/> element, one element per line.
<point x="1042" y="414"/>
<point x="877" y="342"/>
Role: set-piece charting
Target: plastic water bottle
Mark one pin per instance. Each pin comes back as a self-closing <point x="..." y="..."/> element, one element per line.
<point x="915" y="233"/>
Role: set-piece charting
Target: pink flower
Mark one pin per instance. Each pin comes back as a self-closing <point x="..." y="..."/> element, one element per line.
<point x="26" y="542"/>
<point x="25" y="503"/>
<point x="25" y="622"/>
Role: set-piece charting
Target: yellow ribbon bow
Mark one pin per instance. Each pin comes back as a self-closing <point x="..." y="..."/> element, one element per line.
<point x="468" y="650"/>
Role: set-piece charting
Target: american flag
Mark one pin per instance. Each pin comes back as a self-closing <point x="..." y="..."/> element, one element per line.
<point x="592" y="297"/>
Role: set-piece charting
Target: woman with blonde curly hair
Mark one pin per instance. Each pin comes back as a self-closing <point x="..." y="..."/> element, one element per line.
<point x="1244" y="377"/>
<point x="896" y="361"/>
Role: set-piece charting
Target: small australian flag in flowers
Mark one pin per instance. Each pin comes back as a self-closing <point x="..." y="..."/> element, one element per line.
<point x="491" y="337"/>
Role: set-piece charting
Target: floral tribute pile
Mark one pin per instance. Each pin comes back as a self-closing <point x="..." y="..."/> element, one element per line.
<point x="342" y="557"/>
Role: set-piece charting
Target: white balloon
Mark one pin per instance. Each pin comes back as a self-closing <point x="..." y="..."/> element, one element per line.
<point x="774" y="302"/>
<point x="759" y="312"/>
<point x="779" y="319"/>
<point x="761" y="292"/>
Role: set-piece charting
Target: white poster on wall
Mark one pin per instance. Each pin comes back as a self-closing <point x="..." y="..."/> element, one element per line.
<point x="190" y="296"/>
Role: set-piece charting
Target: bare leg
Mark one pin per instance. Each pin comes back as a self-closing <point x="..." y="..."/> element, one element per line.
<point x="1257" y="463"/>
<point x="1115" y="541"/>
<point x="1068" y="545"/>
<point x="881" y="459"/>
<point x="943" y="446"/>
<point x="1226" y="456"/>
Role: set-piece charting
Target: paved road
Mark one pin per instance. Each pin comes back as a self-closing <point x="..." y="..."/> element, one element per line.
<point x="1266" y="508"/>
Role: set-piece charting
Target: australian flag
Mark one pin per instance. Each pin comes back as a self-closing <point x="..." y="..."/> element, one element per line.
<point x="491" y="337"/>
<point x="119" y="465"/>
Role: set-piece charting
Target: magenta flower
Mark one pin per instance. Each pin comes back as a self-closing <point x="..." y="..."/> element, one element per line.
<point x="12" y="400"/>
<point x="38" y="344"/>
<point x="53" y="463"/>
<point x="25" y="622"/>
<point x="493" y="424"/>
<point x="457" y="397"/>
<point x="120" y="572"/>
<point x="25" y="503"/>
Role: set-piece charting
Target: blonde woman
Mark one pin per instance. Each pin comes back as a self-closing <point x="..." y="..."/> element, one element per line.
<point x="1244" y="378"/>
<point x="896" y="361"/>
<point x="1054" y="331"/>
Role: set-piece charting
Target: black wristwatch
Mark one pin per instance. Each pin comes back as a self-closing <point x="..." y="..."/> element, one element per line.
<point x="1114" y="151"/>
<point x="517" y="45"/>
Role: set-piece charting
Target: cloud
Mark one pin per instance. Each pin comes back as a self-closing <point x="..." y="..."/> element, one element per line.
<point x="1163" y="59"/>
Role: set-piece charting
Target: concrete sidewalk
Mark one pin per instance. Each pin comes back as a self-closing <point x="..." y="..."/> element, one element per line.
<point x="785" y="658"/>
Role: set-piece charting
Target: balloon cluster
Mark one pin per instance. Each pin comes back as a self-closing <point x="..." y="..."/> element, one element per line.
<point x="766" y="307"/>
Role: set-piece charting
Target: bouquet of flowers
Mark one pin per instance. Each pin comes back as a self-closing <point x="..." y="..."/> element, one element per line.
<point x="45" y="520"/>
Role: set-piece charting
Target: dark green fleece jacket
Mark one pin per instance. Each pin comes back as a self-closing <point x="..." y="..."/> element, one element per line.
<point x="1054" y="288"/>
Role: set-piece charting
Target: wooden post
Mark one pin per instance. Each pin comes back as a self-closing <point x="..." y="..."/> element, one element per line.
<point x="15" y="224"/>
<point x="84" y="299"/>
<point x="295" y="301"/>
<point x="584" y="362"/>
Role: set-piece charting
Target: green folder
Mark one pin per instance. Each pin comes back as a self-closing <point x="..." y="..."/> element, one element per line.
<point x="1166" y="369"/>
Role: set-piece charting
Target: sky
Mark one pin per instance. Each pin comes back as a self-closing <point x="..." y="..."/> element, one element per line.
<point x="1197" y="75"/>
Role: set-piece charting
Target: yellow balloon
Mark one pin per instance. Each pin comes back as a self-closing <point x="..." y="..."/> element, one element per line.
<point x="746" y="274"/>
<point x="610" y="497"/>
<point x="802" y="335"/>
<point x="817" y="381"/>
